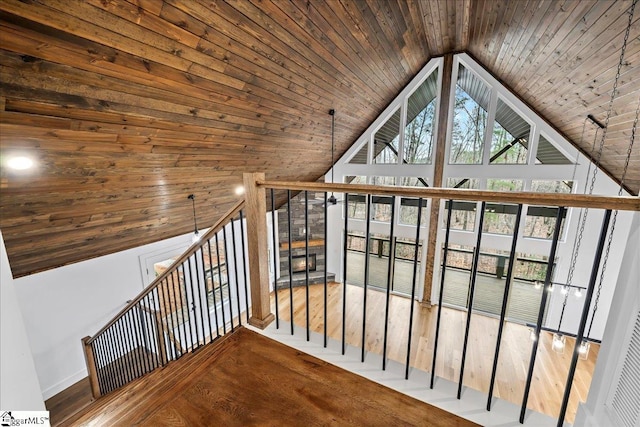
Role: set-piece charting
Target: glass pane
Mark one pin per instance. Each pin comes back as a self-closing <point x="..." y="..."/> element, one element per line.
<point x="357" y="208"/>
<point x="548" y="154"/>
<point x="501" y="218"/>
<point x="510" y="137"/>
<point x="418" y="133"/>
<point x="381" y="205"/>
<point x="469" y="119"/>
<point x="378" y="260"/>
<point x="409" y="207"/>
<point x="350" y="179"/>
<point x="403" y="265"/>
<point x="463" y="216"/>
<point x="360" y="158"/>
<point x="386" y="141"/>
<point x="540" y="221"/>
<point x="456" y="287"/>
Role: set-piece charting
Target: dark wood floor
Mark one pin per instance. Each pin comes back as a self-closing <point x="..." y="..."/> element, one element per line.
<point x="248" y="379"/>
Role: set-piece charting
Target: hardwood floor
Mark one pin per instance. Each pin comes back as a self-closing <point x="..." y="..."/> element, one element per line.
<point x="68" y="402"/>
<point x="550" y="371"/>
<point x="248" y="379"/>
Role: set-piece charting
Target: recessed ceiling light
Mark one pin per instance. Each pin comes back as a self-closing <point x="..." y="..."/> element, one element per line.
<point x="239" y="190"/>
<point x="20" y="163"/>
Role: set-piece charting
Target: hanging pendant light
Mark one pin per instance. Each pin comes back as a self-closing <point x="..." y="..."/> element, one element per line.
<point x="558" y="342"/>
<point x="332" y="199"/>
<point x="537" y="284"/>
<point x="578" y="292"/>
<point x="196" y="233"/>
<point x="583" y="350"/>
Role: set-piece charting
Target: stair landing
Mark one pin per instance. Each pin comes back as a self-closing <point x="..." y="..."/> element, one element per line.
<point x="249" y="379"/>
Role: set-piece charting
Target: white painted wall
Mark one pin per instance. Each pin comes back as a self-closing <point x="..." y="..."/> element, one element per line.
<point x="624" y="308"/>
<point x="63" y="305"/>
<point x="19" y="387"/>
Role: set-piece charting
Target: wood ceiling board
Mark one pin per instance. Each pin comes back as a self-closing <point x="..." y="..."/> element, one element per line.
<point x="130" y="106"/>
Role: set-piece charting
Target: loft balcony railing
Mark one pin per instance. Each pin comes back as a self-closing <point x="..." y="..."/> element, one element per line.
<point x="174" y="315"/>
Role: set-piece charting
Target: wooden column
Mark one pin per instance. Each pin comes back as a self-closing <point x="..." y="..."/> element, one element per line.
<point x="441" y="145"/>
<point x="256" y="207"/>
<point x="91" y="367"/>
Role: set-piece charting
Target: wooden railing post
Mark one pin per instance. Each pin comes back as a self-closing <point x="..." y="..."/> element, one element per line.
<point x="256" y="206"/>
<point x="91" y="367"/>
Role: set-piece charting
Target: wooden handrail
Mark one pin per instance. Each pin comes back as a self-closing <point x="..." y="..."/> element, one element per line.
<point x="625" y="203"/>
<point x="192" y="249"/>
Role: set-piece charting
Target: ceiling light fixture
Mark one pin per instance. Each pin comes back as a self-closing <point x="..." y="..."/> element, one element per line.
<point x="239" y="190"/>
<point x="332" y="199"/>
<point x="20" y="163"/>
<point x="196" y="233"/>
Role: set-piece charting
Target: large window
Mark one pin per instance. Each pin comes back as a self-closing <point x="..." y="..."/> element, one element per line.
<point x="419" y="131"/>
<point x="510" y="136"/>
<point x="386" y="141"/>
<point x="541" y="220"/>
<point x="469" y="119"/>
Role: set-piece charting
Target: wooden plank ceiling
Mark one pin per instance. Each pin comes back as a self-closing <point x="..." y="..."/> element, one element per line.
<point x="129" y="106"/>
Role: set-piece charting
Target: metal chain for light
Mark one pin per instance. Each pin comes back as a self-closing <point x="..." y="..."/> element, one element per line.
<point x="602" y="139"/>
<point x="582" y="218"/>
<point x="614" y="218"/>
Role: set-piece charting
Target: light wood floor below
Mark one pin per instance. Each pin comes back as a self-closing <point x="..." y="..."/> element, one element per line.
<point x="551" y="368"/>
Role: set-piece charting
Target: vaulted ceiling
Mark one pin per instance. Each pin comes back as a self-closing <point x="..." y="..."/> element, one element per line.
<point x="129" y="106"/>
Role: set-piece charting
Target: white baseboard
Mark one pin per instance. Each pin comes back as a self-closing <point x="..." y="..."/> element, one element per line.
<point x="64" y="384"/>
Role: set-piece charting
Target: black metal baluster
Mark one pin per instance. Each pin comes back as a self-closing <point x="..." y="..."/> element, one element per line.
<point x="224" y="320"/>
<point x="440" y="296"/>
<point x="169" y="318"/>
<point x="129" y="374"/>
<point x="191" y="307"/>
<point x="472" y="287"/>
<point x="413" y="287"/>
<point x="201" y="287"/>
<point x="226" y="261"/>
<point x="161" y="328"/>
<point x="195" y="296"/>
<point x="135" y="361"/>
<point x="235" y="270"/>
<point x="137" y="309"/>
<point x="275" y="258"/>
<point x="543" y="303"/>
<point x="152" y="334"/>
<point x="117" y="366"/>
<point x="389" y="279"/>
<point x="505" y="300"/>
<point x="306" y="259"/>
<point x="344" y="273"/>
<point x="206" y="308"/>
<point x="244" y="267"/>
<point x="113" y="365"/>
<point x="585" y="315"/>
<point x="182" y="327"/>
<point x="108" y="374"/>
<point x="187" y="304"/>
<point x="366" y="276"/>
<point x="290" y="260"/>
<point x="325" y="272"/>
<point x="213" y="289"/>
<point x="98" y="349"/>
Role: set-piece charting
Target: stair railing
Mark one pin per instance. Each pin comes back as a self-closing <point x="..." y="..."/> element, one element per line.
<point x="199" y="298"/>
